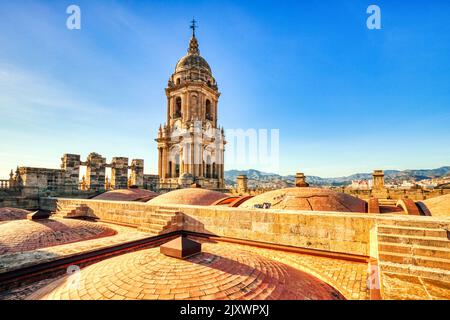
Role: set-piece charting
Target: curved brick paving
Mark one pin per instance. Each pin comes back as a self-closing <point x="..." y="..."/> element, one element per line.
<point x="25" y="235"/>
<point x="11" y="214"/>
<point x="214" y="274"/>
<point x="309" y="199"/>
<point x="189" y="196"/>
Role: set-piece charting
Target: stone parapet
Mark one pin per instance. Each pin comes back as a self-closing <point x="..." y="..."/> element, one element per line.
<point x="330" y="231"/>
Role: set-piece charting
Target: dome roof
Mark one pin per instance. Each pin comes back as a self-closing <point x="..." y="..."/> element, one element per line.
<point x="140" y="195"/>
<point x="192" y="61"/>
<point x="10" y="214"/>
<point x="26" y="235"/>
<point x="215" y="274"/>
<point x="439" y="206"/>
<point x="188" y="196"/>
<point x="307" y="199"/>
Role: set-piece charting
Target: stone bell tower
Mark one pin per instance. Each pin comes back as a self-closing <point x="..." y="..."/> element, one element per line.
<point x="190" y="143"/>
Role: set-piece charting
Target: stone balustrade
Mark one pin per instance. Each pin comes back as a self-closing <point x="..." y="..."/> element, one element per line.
<point x="5" y="184"/>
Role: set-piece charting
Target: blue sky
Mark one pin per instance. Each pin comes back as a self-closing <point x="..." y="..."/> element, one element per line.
<point x="346" y="99"/>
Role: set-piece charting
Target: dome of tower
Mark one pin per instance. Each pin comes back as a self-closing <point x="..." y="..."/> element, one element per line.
<point x="189" y="196"/>
<point x="307" y="199"/>
<point x="193" y="60"/>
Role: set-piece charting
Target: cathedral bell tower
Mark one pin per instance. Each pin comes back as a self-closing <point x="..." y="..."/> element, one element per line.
<point x="190" y="144"/>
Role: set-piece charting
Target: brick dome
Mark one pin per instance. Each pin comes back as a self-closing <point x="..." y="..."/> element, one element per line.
<point x="25" y="235"/>
<point x="439" y="206"/>
<point x="218" y="273"/>
<point x="10" y="214"/>
<point x="140" y="195"/>
<point x="308" y="199"/>
<point x="189" y="196"/>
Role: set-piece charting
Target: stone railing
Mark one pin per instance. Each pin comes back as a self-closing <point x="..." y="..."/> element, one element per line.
<point x="5" y="184"/>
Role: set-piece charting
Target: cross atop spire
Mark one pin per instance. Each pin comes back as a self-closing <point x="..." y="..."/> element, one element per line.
<point x="193" y="26"/>
<point x="193" y="44"/>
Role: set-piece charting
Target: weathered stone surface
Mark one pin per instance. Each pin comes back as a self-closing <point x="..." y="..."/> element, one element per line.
<point x="119" y="173"/>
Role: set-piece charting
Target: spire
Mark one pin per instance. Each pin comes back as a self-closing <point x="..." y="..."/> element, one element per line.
<point x="193" y="44"/>
<point x="193" y="27"/>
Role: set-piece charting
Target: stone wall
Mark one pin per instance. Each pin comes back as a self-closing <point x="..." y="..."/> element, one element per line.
<point x="119" y="173"/>
<point x="413" y="194"/>
<point x="37" y="177"/>
<point x="348" y="233"/>
<point x="137" y="173"/>
<point x="27" y="203"/>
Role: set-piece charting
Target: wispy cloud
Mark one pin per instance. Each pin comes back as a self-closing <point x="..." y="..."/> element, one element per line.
<point x="25" y="95"/>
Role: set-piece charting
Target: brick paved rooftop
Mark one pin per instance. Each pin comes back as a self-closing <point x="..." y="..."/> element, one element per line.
<point x="314" y="199"/>
<point x="439" y="206"/>
<point x="221" y="271"/>
<point x="189" y="196"/>
<point x="26" y="235"/>
<point x="10" y="214"/>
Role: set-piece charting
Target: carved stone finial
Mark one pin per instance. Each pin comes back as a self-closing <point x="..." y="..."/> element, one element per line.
<point x="193" y="46"/>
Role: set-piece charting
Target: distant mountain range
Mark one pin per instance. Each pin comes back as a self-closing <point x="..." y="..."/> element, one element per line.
<point x="391" y="176"/>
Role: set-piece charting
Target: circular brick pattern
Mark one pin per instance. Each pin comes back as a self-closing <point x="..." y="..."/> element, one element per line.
<point x="25" y="235"/>
<point x="11" y="214"/>
<point x="217" y="273"/>
<point x="309" y="199"/>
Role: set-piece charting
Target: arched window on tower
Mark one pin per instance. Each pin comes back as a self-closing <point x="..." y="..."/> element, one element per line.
<point x="177" y="112"/>
<point x="177" y="165"/>
<point x="208" y="112"/>
<point x="178" y="81"/>
<point x="214" y="171"/>
<point x="170" y="170"/>
<point x="208" y="167"/>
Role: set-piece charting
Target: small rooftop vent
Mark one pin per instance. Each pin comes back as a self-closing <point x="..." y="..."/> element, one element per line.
<point x="181" y="248"/>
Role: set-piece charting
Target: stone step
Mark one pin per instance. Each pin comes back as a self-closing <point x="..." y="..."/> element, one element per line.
<point x="168" y="209"/>
<point x="406" y="259"/>
<point x="162" y="222"/>
<point x="425" y="272"/>
<point x="161" y="216"/>
<point x="415" y="240"/>
<point x="166" y="213"/>
<point x="443" y="253"/>
<point x="152" y="226"/>
<point x="423" y="223"/>
<point x="413" y="231"/>
<point x="395" y="247"/>
<point x="147" y="230"/>
<point x="416" y="250"/>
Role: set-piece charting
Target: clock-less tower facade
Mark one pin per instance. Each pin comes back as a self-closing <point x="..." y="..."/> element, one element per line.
<point x="190" y="144"/>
